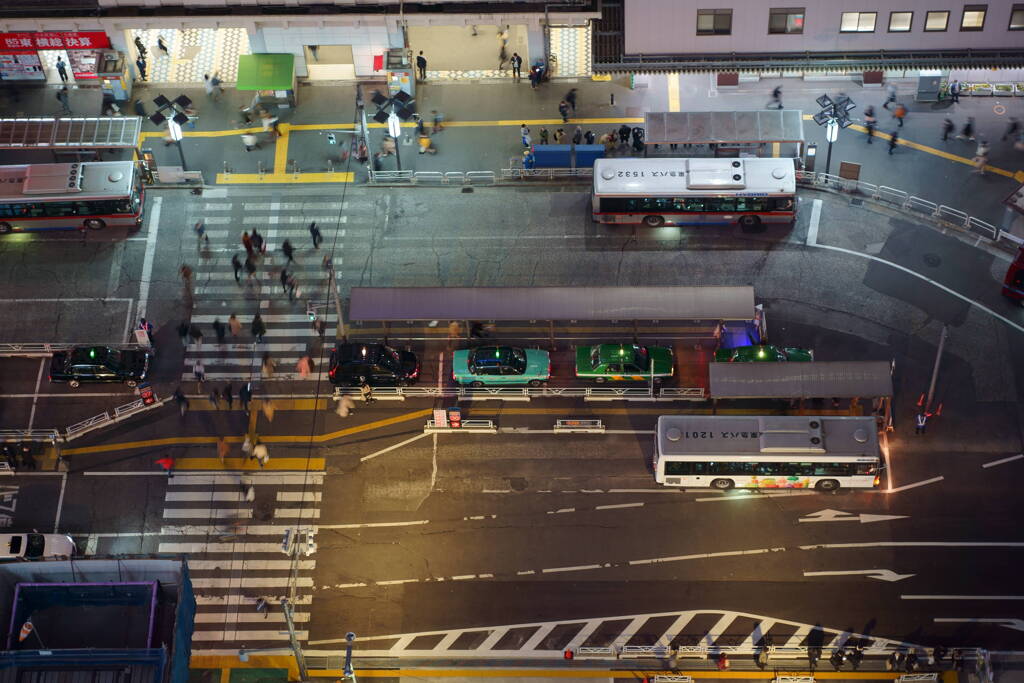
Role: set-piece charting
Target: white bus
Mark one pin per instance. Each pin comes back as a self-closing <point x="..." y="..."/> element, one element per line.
<point x="77" y="196"/>
<point x="658" y="192"/>
<point x="771" y="452"/>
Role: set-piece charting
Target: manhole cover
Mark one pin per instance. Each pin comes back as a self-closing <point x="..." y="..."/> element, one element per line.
<point x="932" y="260"/>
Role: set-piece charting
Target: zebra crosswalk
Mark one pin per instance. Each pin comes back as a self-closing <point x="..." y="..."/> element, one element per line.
<point x="236" y="554"/>
<point x="290" y="333"/>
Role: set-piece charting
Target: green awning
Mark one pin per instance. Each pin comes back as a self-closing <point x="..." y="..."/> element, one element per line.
<point x="266" y="72"/>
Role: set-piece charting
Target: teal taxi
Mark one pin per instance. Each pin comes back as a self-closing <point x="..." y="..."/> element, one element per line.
<point x="499" y="365"/>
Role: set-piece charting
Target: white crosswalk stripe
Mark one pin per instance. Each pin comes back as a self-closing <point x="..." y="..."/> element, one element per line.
<point x="235" y="552"/>
<point x="289" y="330"/>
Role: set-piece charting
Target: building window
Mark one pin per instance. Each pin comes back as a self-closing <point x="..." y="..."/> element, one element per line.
<point x="714" y="22"/>
<point x="974" y="18"/>
<point x="900" y="22"/>
<point x="786" y="20"/>
<point x="936" y="21"/>
<point x="1017" y="18"/>
<point x="858" y="22"/>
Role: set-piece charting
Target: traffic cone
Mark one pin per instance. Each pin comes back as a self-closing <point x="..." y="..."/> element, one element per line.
<point x="567" y="654"/>
<point x="920" y="401"/>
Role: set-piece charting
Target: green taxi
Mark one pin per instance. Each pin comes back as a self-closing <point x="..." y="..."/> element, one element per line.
<point x="763" y="353"/>
<point x="623" y="363"/>
<point x="495" y="365"/>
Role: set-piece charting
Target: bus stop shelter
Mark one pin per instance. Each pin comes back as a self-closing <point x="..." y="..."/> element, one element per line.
<point x="271" y="76"/>
<point x="726" y="130"/>
<point x="71" y="135"/>
<point x="708" y="307"/>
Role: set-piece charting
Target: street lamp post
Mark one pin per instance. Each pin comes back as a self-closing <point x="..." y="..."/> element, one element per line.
<point x="349" y="673"/>
<point x="395" y="129"/>
<point x="831" y="135"/>
<point x="175" y="114"/>
<point x="834" y="114"/>
<point x="174" y="128"/>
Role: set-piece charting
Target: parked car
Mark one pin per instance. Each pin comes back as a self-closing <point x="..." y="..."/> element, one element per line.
<point x="623" y="362"/>
<point x="99" y="364"/>
<point x="763" y="353"/>
<point x="486" y="365"/>
<point x="35" y="546"/>
<point x="375" y="364"/>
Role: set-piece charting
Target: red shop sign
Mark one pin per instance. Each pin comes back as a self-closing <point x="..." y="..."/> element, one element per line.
<point x="55" y="40"/>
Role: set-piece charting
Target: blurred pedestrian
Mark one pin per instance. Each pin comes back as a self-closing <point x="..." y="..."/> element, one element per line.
<point x="559" y="136"/>
<point x="257" y="328"/>
<point x="870" y="122"/>
<point x="534" y="78"/>
<point x="314" y="234"/>
<point x="345" y="406"/>
<point x="219" y="330"/>
<point x="524" y="135"/>
<point x="139" y="46"/>
<point x="954" y="91"/>
<point x="1012" y="128"/>
<point x="198" y="371"/>
<point x="304" y="366"/>
<point x="899" y="113"/>
<point x="215" y="398"/>
<point x="223" y="449"/>
<point x="292" y="287"/>
<point x="624" y="131"/>
<point x="366" y="393"/>
<point x="229" y="396"/>
<point x="263" y="606"/>
<point x="890" y="95"/>
<point x="543" y="136"/>
<point x="320" y="327"/>
<point x="236" y="265"/>
<point x="967" y="132"/>
<point x="981" y="158"/>
<point x="140" y="64"/>
<point x="247" y="444"/>
<point x="284" y="279"/>
<point x="776" y="101"/>
<point x="181" y="401"/>
<point x="247" y="242"/>
<point x="62" y="97"/>
<point x="589" y="137"/>
<point x="259" y="451"/>
<point x="234" y="325"/>
<point x="183" y="332"/>
<point x="250" y="141"/>
<point x="267" y="366"/>
<point x="577" y="136"/>
<point x="563" y="111"/>
<point x="201" y="237"/>
<point x="289" y="251"/>
<point x="162" y="46"/>
<point x="570" y="99"/>
<point x="148" y="328"/>
<point x="268" y="408"/>
<point x="250" y="268"/>
<point x="258" y="243"/>
<point x="195" y="333"/>
<point x="893" y="141"/>
<point x="947" y="129"/>
<point x="245" y="395"/>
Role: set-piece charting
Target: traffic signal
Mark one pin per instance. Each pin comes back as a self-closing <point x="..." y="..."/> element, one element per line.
<point x="331" y="140"/>
<point x="311" y="312"/>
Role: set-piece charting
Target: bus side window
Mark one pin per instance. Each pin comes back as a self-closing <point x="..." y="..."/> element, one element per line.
<point x="678" y="468"/>
<point x="834" y="469"/>
<point x="726" y="204"/>
<point x="6" y="211"/>
<point x="59" y="209"/>
<point x="694" y="204"/>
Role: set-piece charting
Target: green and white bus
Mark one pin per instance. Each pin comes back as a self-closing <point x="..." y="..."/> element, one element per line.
<point x="821" y="452"/>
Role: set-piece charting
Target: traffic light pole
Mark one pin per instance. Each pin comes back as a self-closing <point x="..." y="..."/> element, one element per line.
<point x="332" y="282"/>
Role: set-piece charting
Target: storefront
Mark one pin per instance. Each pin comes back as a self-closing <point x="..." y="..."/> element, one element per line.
<point x="37" y="56"/>
<point x="270" y="77"/>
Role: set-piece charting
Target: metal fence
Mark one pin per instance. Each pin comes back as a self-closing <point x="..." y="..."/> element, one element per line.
<point x="529" y="393"/>
<point x="119" y="414"/>
<point x="432" y="177"/>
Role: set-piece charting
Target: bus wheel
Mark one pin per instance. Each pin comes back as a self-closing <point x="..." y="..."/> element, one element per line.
<point x="827" y="485"/>
<point x="751" y="224"/>
<point x="654" y="221"/>
<point x="5" y="228"/>
<point x="95" y="224"/>
<point x="722" y="484"/>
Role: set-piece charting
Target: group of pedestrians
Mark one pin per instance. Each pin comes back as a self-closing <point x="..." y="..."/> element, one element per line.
<point x="216" y="396"/>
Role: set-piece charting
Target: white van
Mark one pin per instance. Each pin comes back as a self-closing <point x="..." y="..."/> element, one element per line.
<point x="35" y="546"/>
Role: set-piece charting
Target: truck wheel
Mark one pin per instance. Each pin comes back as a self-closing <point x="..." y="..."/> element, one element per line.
<point x="73" y="384"/>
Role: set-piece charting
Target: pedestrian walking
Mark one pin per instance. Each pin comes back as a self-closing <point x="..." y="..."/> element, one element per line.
<point x="250" y="141"/>
<point x="140" y="64"/>
<point x="229" y="396"/>
<point x="259" y="244"/>
<point x="292" y="287"/>
<point x="776" y="101"/>
<point x="257" y="328"/>
<point x="894" y="139"/>
<point x="304" y="367"/>
<point x="624" y="131"/>
<point x="967" y="132"/>
<point x="563" y="111"/>
<point x="209" y="86"/>
<point x="947" y="129"/>
<point x="223" y="449"/>
<point x="183" y="332"/>
<point x="436" y="119"/>
<point x="544" y="136"/>
<point x="899" y="113"/>
<point x="234" y="325"/>
<point x="1012" y="128"/>
<point x="534" y="77"/>
<point x="201" y="237"/>
<point x="247" y="242"/>
<point x="215" y="398"/>
<point x="263" y="606"/>
<point x="271" y="124"/>
<point x="250" y="267"/>
<point x="245" y="395"/>
<point x="981" y="158"/>
<point x="517" y="66"/>
<point x="259" y="451"/>
<point x="366" y="393"/>
<point x="268" y="408"/>
<point x="954" y="91"/>
<point x="162" y="46"/>
<point x="236" y="265"/>
<point x="288" y="251"/>
<point x="589" y="137"/>
<point x="267" y="366"/>
<point x="249" y="492"/>
<point x="219" y="330"/>
<point x="345" y="406"/>
<point x="247" y="445"/>
<point x="559" y="136"/>
<point x="148" y="328"/>
<point x="168" y="464"/>
<point x="314" y="234"/>
<point x="890" y="95"/>
<point x="421" y="65"/>
<point x="62" y="97"/>
<point x="870" y="122"/>
<point x="284" y="279"/>
<point x="139" y="46"/>
<point x="570" y="98"/>
<point x="62" y="69"/>
<point x="320" y="327"/>
<point x="577" y="136"/>
<point x="199" y="372"/>
<point x="181" y="401"/>
<point x="524" y="136"/>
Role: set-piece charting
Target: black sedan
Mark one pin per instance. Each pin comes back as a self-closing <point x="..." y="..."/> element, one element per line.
<point x="99" y="364"/>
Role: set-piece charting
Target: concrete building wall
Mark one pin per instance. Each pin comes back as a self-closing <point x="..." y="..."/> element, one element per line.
<point x="366" y="40"/>
<point x="670" y="27"/>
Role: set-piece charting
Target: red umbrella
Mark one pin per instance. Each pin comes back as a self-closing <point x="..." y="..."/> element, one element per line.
<point x="167" y="463"/>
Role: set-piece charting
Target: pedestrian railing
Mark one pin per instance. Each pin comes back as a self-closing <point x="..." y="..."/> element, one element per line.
<point x="43" y="435"/>
<point x="514" y="173"/>
<point x="642" y="651"/>
<point x="433" y="177"/>
<point x="31" y="350"/>
<point x="595" y="653"/>
<point x="579" y="427"/>
<point x="918" y="678"/>
<point x="908" y="202"/>
<point x="471" y="426"/>
<point x="672" y="678"/>
<point x="120" y="414"/>
<point x="529" y="393"/>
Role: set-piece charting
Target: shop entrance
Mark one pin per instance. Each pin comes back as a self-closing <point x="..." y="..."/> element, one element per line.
<point x="184" y="56"/>
<point x="56" y="57"/>
<point x="329" y="62"/>
<point x="462" y="52"/>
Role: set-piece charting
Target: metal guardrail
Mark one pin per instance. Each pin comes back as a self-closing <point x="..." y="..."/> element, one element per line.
<point x="529" y="393"/>
<point x="595" y="653"/>
<point x="672" y="678"/>
<point x="120" y="413"/>
<point x="918" y="678"/>
<point x="639" y="651"/>
<point x="794" y="679"/>
<point x="15" y="435"/>
<point x="471" y="426"/>
<point x="31" y="350"/>
<point x="569" y="426"/>
<point x="908" y="202"/>
<point x="457" y="178"/>
<point x="514" y="173"/>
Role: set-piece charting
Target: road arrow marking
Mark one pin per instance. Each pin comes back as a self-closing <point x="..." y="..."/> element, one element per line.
<point x="840" y="516"/>
<point x="880" y="574"/>
<point x="1015" y="624"/>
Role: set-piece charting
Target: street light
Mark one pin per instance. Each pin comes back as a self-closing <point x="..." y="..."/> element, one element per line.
<point x="834" y="114"/>
<point x="349" y="673"/>
<point x="395" y="129"/>
<point x="175" y="114"/>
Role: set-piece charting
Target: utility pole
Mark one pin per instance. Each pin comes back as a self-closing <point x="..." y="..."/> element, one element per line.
<point x="349" y="673"/>
<point x="341" y="333"/>
<point x="935" y="369"/>
<point x="300" y="659"/>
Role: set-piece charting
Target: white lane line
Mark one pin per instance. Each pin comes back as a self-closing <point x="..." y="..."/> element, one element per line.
<point x="677" y="491"/>
<point x="87" y="395"/>
<point x="962" y="597"/>
<point x="203" y="496"/>
<point x="812" y="231"/>
<point x="60" y="501"/>
<point x="147" y="261"/>
<point x="249" y="565"/>
<point x="993" y="463"/>
<point x="619" y="507"/>
<point x="918" y="544"/>
<point x="944" y="288"/>
<point x="235" y="599"/>
<point x="35" y="398"/>
<point x="206" y="513"/>
<point x="497" y="491"/>
<point x="242" y="547"/>
<point x="297" y="513"/>
<point x="561" y="511"/>
<point x="299" y="496"/>
<point x="391" y="448"/>
<point x="258" y="478"/>
<point x="396" y="582"/>
<point x="372" y="525"/>
<point x="916" y="484"/>
<point x="580" y="568"/>
<point x="706" y="556"/>
<point x="234" y="617"/>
